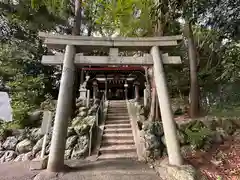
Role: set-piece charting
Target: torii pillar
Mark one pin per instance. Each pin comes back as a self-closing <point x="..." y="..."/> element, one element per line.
<point x="64" y="103"/>
<point x="169" y="127"/>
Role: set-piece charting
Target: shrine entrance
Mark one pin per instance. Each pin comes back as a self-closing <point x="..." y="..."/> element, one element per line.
<point x="148" y="51"/>
<point x="118" y="83"/>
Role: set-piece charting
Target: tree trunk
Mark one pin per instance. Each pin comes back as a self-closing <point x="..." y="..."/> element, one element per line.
<point x="76" y="31"/>
<point x="194" y="86"/>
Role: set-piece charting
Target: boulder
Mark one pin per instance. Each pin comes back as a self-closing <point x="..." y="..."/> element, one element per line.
<point x="20" y="134"/>
<point x="38" y="145"/>
<point x="93" y="110"/>
<point x="2" y="153"/>
<point x="236" y="135"/>
<point x="228" y="126"/>
<point x="236" y="122"/>
<point x="39" y="163"/>
<point x="24" y="146"/>
<point x="81" y="147"/>
<point x="152" y="142"/>
<point x="70" y="132"/>
<point x="83" y="126"/>
<point x="222" y="132"/>
<point x="67" y="154"/>
<point x="82" y="114"/>
<point x="211" y="124"/>
<point x="19" y="158"/>
<point x="216" y="137"/>
<point x="71" y="141"/>
<point x="10" y="143"/>
<point x="36" y="134"/>
<point x="83" y="109"/>
<point x="8" y="156"/>
<point x="155" y="128"/>
<point x="183" y="172"/>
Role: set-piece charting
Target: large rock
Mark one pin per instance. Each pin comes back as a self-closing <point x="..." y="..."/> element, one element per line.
<point x="236" y="135"/>
<point x="2" y="153"/>
<point x="38" y="145"/>
<point x="8" y="156"/>
<point x="24" y="146"/>
<point x="183" y="172"/>
<point x="155" y="128"/>
<point x="81" y="147"/>
<point x="24" y="157"/>
<point x="83" y="109"/>
<point x="83" y="126"/>
<point x="216" y="137"/>
<point x="68" y="154"/>
<point x="93" y="110"/>
<point x="71" y="141"/>
<point x="152" y="142"/>
<point x="70" y="132"/>
<point x="82" y="114"/>
<point x="228" y="126"/>
<point x="10" y="143"/>
<point x="36" y="134"/>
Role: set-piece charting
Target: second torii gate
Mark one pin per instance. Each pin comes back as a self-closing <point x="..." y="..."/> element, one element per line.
<point x="86" y="44"/>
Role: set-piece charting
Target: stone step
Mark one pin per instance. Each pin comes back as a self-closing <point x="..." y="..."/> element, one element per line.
<point x="117" y="136"/>
<point x="131" y="155"/>
<point x="118" y="111"/>
<point x="110" y="142"/>
<point x="117" y="130"/>
<point x="115" y="149"/>
<point x="118" y="125"/>
<point x="118" y="121"/>
<point x="117" y="116"/>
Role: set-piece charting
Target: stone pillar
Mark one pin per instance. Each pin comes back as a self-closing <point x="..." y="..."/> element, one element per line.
<point x="169" y="126"/>
<point x="88" y="98"/>
<point x="136" y="84"/>
<point x="145" y="96"/>
<point x="95" y="90"/>
<point x="106" y="90"/>
<point x="126" y="90"/>
<point x="63" y="112"/>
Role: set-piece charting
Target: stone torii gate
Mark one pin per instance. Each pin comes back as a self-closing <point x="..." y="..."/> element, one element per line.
<point x="86" y="44"/>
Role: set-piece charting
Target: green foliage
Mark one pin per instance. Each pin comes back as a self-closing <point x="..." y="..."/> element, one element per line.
<point x="197" y="134"/>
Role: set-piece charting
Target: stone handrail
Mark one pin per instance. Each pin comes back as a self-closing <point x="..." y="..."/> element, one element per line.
<point x="94" y="128"/>
<point x="138" y="139"/>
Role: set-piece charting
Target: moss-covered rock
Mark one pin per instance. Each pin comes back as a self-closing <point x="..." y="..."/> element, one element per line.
<point x="228" y="126"/>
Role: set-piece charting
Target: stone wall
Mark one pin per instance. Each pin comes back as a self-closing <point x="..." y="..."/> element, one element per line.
<point x="193" y="134"/>
<point x="26" y="144"/>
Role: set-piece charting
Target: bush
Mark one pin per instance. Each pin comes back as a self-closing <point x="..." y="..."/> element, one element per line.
<point x="197" y="134"/>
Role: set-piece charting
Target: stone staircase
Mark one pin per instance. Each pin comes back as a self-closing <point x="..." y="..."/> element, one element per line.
<point x="117" y="140"/>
